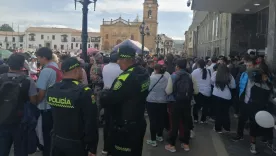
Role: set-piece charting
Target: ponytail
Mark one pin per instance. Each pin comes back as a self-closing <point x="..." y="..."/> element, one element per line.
<point x="204" y="75"/>
<point x="201" y="64"/>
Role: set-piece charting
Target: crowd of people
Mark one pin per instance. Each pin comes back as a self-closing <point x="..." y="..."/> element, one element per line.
<point x="74" y="98"/>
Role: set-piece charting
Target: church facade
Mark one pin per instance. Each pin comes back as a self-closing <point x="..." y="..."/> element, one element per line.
<point x="114" y="32"/>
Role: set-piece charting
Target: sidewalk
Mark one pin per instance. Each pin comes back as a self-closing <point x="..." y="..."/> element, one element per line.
<point x="206" y="143"/>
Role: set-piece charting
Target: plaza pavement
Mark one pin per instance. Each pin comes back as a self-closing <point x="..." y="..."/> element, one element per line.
<point x="206" y="143"/>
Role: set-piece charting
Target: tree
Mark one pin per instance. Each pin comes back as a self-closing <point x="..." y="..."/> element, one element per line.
<point x="6" y="27"/>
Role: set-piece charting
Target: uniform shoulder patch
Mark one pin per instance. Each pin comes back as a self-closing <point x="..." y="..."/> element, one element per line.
<point x="118" y="84"/>
<point x="93" y="99"/>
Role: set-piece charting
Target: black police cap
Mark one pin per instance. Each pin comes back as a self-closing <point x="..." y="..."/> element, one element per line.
<point x="126" y="51"/>
<point x="70" y="64"/>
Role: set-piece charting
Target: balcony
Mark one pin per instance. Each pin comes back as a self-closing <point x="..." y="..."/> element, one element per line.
<point x="64" y="40"/>
<point x="31" y="39"/>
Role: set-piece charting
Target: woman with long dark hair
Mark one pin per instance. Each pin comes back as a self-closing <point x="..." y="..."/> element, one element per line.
<point x="203" y="79"/>
<point x="223" y="81"/>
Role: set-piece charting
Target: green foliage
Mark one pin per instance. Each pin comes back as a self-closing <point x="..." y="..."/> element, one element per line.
<point x="6" y="27"/>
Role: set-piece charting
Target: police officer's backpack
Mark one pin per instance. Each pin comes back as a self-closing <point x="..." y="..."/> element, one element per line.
<point x="11" y="100"/>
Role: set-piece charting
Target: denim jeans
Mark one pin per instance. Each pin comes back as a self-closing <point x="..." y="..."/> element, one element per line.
<point x="12" y="134"/>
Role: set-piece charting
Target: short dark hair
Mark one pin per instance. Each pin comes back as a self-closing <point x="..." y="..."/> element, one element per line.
<point x="181" y="63"/>
<point x="16" y="61"/>
<point x="4" y="68"/>
<point x="113" y="57"/>
<point x="45" y="52"/>
<point x="214" y="59"/>
<point x="64" y="57"/>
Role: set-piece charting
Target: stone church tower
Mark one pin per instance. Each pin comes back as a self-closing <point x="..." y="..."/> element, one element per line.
<point x="150" y="18"/>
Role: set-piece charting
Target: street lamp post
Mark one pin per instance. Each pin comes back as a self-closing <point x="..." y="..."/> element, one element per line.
<point x="144" y="30"/>
<point x="157" y="41"/>
<point x="84" y="35"/>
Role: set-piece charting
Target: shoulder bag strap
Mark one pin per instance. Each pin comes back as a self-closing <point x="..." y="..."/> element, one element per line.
<point x="156" y="83"/>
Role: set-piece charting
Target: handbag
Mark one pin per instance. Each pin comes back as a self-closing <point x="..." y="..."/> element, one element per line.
<point x="156" y="83"/>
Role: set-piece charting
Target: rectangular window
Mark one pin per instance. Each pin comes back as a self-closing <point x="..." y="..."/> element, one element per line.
<point x="6" y="39"/>
<point x="39" y="45"/>
<point x="53" y="37"/>
<point x="42" y="37"/>
<point x="13" y="39"/>
<point x="72" y="45"/>
<point x="55" y="46"/>
<point x="213" y="31"/>
<point x="30" y="46"/>
<point x="217" y="25"/>
<point x="21" y="45"/>
<point x="62" y="47"/>
<point x="21" y="39"/>
<point x="77" y="44"/>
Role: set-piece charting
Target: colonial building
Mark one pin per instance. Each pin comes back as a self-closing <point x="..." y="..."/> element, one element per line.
<point x="114" y="32"/>
<point x="11" y="40"/>
<point x="59" y="38"/>
<point x="54" y="38"/>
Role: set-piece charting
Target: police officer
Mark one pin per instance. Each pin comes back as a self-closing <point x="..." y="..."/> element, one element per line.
<point x="127" y="99"/>
<point x="75" y="129"/>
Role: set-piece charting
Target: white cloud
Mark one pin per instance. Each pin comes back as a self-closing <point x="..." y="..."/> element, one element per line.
<point x="26" y="13"/>
<point x="127" y="6"/>
<point x="54" y="26"/>
<point x="178" y="38"/>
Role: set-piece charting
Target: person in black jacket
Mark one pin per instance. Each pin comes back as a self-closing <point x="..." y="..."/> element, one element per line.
<point x="74" y="110"/>
<point x="127" y="98"/>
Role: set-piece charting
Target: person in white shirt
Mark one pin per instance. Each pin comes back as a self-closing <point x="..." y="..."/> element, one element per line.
<point x="223" y="81"/>
<point x="203" y="79"/>
<point x="214" y="62"/>
<point x="111" y="71"/>
<point x="33" y="67"/>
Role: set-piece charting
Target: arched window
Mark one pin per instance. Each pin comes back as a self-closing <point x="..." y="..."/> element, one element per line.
<point x="149" y="14"/>
<point x="106" y="36"/>
<point x="106" y="45"/>
<point x="118" y="42"/>
<point x="132" y="37"/>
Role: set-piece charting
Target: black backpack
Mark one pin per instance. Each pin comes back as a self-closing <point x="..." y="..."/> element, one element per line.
<point x="183" y="87"/>
<point x="11" y="99"/>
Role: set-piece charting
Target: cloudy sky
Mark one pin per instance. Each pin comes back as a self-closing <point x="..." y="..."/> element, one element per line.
<point x="174" y="15"/>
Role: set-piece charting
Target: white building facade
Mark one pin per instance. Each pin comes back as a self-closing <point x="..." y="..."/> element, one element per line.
<point x="11" y="40"/>
<point x="60" y="39"/>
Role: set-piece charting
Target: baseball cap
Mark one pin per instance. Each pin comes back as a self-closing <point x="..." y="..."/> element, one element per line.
<point x="126" y="51"/>
<point x="70" y="64"/>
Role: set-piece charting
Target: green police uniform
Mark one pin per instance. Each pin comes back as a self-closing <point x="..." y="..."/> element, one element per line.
<point x="74" y="110"/>
<point x="127" y="100"/>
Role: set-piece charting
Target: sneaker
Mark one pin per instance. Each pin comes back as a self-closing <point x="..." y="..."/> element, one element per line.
<point x="170" y="148"/>
<point x="152" y="143"/>
<point x="212" y="120"/>
<point x="104" y="152"/>
<point x="226" y="131"/>
<point x="271" y="146"/>
<point x="160" y="139"/>
<point x="192" y="135"/>
<point x="203" y="122"/>
<point x="264" y="141"/>
<point x="237" y="138"/>
<point x="219" y="132"/>
<point x="236" y="116"/>
<point x="185" y="147"/>
<point x="253" y="148"/>
<point x="195" y="121"/>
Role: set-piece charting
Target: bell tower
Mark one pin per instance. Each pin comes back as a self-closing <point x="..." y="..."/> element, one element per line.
<point x="150" y="17"/>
